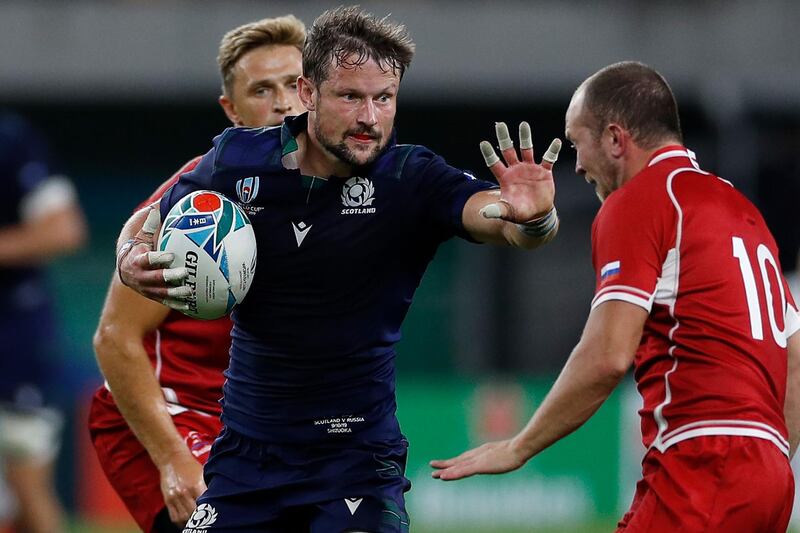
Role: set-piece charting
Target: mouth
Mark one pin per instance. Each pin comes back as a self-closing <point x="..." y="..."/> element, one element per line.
<point x="362" y="137"/>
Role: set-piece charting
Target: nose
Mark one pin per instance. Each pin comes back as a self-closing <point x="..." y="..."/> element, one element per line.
<point x="579" y="170"/>
<point x="367" y="114"/>
<point x="283" y="101"/>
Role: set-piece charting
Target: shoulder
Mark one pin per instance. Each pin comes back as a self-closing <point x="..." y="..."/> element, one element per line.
<point x="403" y="161"/>
<point x="237" y="148"/>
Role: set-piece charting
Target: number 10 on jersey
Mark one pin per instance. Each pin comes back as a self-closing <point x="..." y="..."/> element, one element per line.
<point x="764" y="257"/>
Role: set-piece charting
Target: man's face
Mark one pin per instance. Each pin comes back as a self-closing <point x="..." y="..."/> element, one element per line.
<point x="355" y="109"/>
<point x="592" y="160"/>
<point x="264" y="87"/>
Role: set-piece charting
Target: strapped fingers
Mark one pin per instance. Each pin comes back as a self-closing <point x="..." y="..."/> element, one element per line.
<point x="173" y="303"/>
<point x="526" y="142"/>
<point x="500" y="209"/>
<point x="160" y="259"/>
<point x="152" y="222"/>
<point x="505" y="143"/>
<point x="491" y="159"/>
<point x="551" y="155"/>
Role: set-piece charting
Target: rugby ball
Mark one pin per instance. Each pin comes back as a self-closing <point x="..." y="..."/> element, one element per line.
<point x="212" y="237"/>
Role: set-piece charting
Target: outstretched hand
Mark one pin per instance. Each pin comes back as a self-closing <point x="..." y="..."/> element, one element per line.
<point x="527" y="190"/>
<point x="491" y="458"/>
<point x="147" y="271"/>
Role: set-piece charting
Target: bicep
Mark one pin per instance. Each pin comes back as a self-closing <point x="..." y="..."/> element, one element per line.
<point x="613" y="333"/>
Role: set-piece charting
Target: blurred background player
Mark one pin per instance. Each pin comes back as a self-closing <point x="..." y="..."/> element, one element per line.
<point x="153" y="426"/>
<point x="689" y="291"/>
<point x="40" y="220"/>
<point x="311" y="439"/>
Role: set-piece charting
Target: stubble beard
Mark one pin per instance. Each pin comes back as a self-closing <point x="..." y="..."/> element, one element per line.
<point x="343" y="152"/>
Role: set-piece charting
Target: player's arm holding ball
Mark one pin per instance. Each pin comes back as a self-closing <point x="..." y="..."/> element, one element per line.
<point x="522" y="212"/>
<point x="126" y="318"/>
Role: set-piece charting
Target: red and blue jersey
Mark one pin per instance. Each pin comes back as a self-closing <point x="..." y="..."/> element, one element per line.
<point x="339" y="260"/>
<point x="691" y="250"/>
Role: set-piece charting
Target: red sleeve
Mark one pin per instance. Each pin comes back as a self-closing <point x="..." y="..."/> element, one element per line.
<point x="159" y="192"/>
<point x="631" y="240"/>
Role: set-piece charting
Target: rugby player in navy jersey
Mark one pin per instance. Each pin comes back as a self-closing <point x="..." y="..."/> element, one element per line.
<point x="346" y="222"/>
<point x="40" y="219"/>
<point x="153" y="421"/>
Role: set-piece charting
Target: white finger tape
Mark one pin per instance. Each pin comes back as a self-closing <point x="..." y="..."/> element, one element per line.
<point x="491" y="211"/>
<point x="488" y="154"/>
<point x="503" y="137"/>
<point x="152" y="222"/>
<point x="525" y="137"/>
<point x="551" y="155"/>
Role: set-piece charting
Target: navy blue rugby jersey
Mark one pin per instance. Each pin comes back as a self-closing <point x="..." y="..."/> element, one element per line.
<point x="339" y="259"/>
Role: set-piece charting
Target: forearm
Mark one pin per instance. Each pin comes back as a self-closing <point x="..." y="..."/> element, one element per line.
<point x="581" y="388"/>
<point x="137" y="394"/>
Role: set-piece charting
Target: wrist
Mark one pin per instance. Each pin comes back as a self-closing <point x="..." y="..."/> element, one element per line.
<point x="541" y="226"/>
<point x="122" y="253"/>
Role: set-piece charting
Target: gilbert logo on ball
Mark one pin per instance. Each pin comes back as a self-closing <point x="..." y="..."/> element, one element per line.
<point x="212" y="237"/>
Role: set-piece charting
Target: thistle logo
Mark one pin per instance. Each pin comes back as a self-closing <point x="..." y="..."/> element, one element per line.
<point x="247" y="189"/>
<point x="357" y="195"/>
<point x="202" y="518"/>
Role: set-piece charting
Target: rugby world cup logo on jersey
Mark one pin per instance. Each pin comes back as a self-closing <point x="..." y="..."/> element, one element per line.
<point x="202" y="518"/>
<point x="247" y="189"/>
<point x="357" y="196"/>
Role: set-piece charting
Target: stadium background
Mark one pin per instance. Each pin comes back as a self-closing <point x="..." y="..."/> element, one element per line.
<point x="126" y="91"/>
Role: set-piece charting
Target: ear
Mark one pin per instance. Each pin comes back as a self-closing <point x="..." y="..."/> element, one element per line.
<point x="230" y="110"/>
<point x="307" y="92"/>
<point x="617" y="138"/>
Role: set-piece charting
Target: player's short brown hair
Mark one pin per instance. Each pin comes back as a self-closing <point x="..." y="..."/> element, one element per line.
<point x="637" y="98"/>
<point x="286" y="30"/>
<point x="351" y="37"/>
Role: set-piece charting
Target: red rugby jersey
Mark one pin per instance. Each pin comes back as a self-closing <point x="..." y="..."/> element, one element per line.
<point x="188" y="355"/>
<point x="697" y="255"/>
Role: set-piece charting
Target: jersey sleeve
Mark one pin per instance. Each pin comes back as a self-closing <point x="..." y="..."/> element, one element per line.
<point x="442" y="191"/>
<point x="164" y="187"/>
<point x="629" y="249"/>
<point x="196" y="178"/>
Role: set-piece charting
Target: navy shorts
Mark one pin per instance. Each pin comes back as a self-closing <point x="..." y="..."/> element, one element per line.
<point x="256" y="486"/>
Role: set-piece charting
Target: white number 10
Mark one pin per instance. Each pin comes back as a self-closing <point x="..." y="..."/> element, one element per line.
<point x="751" y="292"/>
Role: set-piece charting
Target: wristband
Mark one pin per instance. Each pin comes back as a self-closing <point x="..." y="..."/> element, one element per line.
<point x="123" y="251"/>
<point x="540" y="227"/>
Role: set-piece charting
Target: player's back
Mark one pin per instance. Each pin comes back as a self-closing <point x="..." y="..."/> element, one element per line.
<point x="713" y="357"/>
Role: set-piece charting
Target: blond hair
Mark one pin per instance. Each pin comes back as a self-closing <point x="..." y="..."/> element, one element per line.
<point x="286" y="30"/>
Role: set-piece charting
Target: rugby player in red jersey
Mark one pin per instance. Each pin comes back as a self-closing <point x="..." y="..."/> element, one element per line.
<point x="690" y="293"/>
<point x="153" y="422"/>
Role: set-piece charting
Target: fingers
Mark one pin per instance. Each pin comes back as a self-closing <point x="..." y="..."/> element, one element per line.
<point x="152" y="222"/>
<point x="500" y="209"/>
<point x="551" y="155"/>
<point x="181" y="508"/>
<point x="505" y="143"/>
<point x="526" y="142"/>
<point x="160" y="259"/>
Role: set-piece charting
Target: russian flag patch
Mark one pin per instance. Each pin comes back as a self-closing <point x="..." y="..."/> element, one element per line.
<point x="610" y="271"/>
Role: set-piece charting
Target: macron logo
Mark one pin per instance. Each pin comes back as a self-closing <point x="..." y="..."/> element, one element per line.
<point x="300" y="231"/>
<point x="352" y="504"/>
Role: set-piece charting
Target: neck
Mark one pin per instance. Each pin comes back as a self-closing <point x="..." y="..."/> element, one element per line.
<point x="637" y="158"/>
